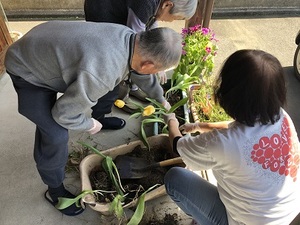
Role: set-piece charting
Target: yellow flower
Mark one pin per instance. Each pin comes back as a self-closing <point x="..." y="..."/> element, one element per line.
<point x="148" y="110"/>
<point x="119" y="103"/>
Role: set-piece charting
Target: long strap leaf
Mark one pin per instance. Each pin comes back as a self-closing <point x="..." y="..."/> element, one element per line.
<point x="178" y="104"/>
<point x="140" y="209"/>
<point x="66" y="202"/>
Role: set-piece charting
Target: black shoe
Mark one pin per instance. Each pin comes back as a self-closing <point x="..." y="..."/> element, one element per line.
<point x="52" y="195"/>
<point x="112" y="123"/>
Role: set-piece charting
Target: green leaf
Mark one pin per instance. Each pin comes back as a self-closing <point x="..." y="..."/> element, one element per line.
<point x="93" y="149"/>
<point x="156" y="103"/>
<point x="165" y="129"/>
<point x="66" y="202"/>
<point x="116" y="206"/>
<point x="140" y="209"/>
<point x="143" y="133"/>
<point x="152" y="120"/>
<point x="136" y="115"/>
<point x="178" y="104"/>
<point x="144" y="137"/>
<point x="109" y="166"/>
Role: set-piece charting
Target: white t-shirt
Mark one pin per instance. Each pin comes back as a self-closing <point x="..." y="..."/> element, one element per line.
<point x="256" y="168"/>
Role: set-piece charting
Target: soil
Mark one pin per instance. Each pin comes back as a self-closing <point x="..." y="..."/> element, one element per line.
<point x="167" y="220"/>
<point x="173" y="99"/>
<point x="135" y="187"/>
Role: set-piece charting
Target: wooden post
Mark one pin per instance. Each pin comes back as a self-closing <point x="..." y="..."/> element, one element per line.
<point x="198" y="16"/>
<point x="202" y="15"/>
<point x="208" y="13"/>
<point x="5" y="41"/>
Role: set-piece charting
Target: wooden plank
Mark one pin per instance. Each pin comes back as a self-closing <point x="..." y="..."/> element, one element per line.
<point x="208" y="12"/>
<point x="5" y="41"/>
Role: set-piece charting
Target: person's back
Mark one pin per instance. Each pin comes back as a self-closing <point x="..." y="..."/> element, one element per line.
<point x="255" y="159"/>
<point x="116" y="11"/>
<point x="78" y="46"/>
<point x="256" y="170"/>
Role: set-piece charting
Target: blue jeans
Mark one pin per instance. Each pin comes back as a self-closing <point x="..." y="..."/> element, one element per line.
<point x="195" y="196"/>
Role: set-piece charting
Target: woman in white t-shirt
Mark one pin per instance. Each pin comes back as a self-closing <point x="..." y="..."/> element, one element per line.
<point x="255" y="159"/>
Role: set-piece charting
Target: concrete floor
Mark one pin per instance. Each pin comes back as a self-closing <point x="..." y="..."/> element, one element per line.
<point x="20" y="185"/>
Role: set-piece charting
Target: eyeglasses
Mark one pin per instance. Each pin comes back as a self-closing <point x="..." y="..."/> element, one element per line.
<point x="150" y="22"/>
<point x="152" y="19"/>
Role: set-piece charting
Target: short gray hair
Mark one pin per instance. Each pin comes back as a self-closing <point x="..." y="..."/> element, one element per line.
<point x="184" y="8"/>
<point x="162" y="46"/>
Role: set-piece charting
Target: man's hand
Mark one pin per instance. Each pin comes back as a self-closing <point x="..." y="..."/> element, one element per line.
<point x="96" y="127"/>
<point x="162" y="76"/>
<point x="166" y="105"/>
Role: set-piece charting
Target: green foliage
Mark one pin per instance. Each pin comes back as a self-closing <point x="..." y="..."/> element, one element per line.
<point x="205" y="107"/>
<point x="116" y="205"/>
<point x="140" y="209"/>
<point x="110" y="168"/>
<point x="155" y="117"/>
<point x="197" y="60"/>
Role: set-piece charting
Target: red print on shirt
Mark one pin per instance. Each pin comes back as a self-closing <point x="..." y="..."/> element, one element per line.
<point x="276" y="153"/>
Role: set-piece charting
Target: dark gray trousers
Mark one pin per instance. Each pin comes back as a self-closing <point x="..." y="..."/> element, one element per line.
<point x="51" y="139"/>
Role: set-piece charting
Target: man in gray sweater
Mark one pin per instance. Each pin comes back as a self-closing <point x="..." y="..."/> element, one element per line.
<point x="82" y="60"/>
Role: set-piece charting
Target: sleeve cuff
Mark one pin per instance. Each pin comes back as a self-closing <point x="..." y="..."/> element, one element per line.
<point x="175" y="140"/>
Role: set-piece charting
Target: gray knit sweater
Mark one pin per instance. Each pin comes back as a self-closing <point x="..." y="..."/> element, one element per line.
<point x="83" y="60"/>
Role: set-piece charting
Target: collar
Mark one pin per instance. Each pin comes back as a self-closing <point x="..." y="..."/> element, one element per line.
<point x="152" y="19"/>
<point x="131" y="49"/>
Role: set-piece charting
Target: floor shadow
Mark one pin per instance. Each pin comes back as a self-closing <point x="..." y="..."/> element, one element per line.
<point x="293" y="97"/>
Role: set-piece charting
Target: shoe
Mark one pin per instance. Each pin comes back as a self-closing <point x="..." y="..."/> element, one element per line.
<point x="72" y="210"/>
<point x="139" y="94"/>
<point x="112" y="123"/>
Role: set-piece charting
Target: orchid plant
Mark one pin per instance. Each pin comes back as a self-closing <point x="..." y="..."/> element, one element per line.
<point x="197" y="60"/>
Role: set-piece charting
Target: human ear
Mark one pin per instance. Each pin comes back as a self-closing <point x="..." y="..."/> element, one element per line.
<point x="167" y="4"/>
<point x="147" y="65"/>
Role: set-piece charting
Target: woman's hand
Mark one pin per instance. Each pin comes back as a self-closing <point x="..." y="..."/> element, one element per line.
<point x="190" y="128"/>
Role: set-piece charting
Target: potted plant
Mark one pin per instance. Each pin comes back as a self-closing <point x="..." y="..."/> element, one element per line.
<point x="194" y="74"/>
<point x="104" y="161"/>
<point x="202" y="105"/>
<point x="152" y="114"/>
<point x="197" y="60"/>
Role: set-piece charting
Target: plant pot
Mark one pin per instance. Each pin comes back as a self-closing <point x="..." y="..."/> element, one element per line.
<point x="184" y="108"/>
<point x="93" y="162"/>
<point x="203" y="107"/>
<point x="191" y="101"/>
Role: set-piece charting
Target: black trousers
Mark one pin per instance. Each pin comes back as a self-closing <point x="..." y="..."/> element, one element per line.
<point x="51" y="139"/>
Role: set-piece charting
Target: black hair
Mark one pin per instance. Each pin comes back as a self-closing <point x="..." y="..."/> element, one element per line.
<point x="251" y="87"/>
